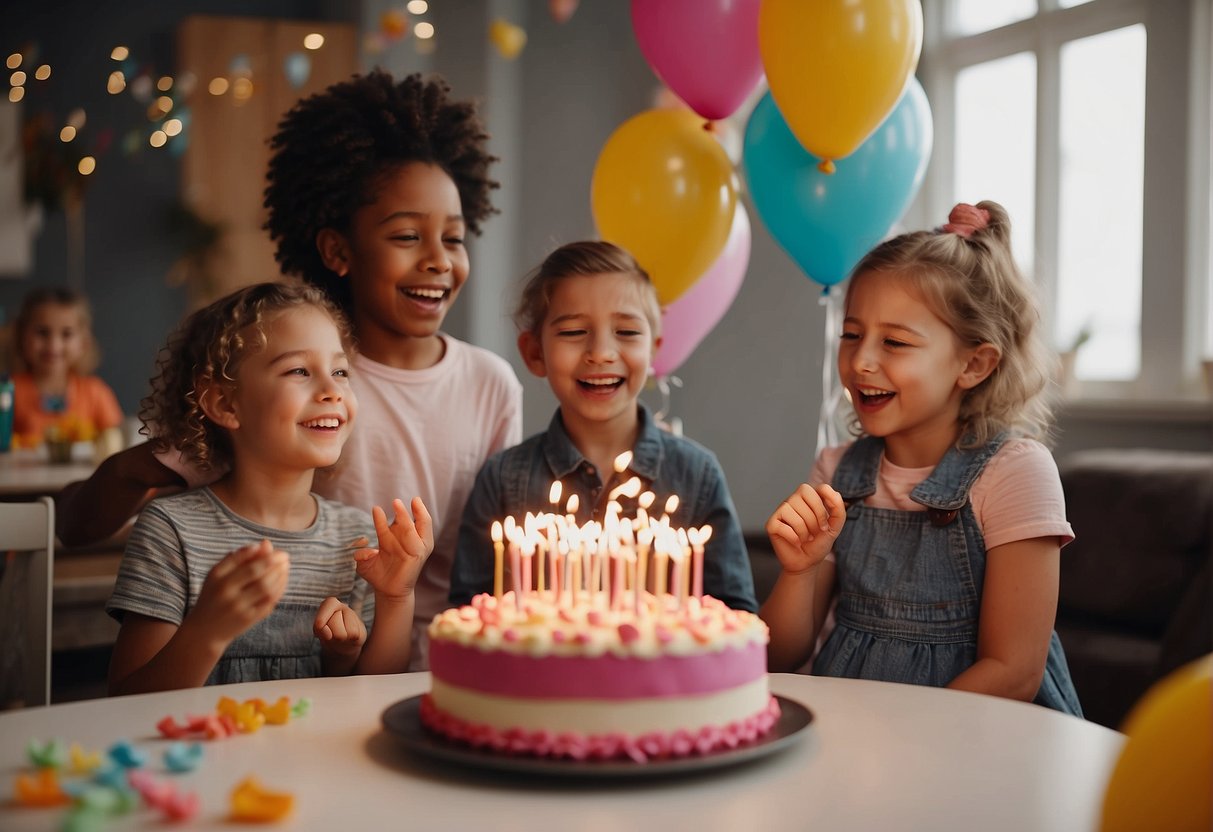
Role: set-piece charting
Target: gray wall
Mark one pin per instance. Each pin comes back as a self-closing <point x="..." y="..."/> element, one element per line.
<point x="751" y="392"/>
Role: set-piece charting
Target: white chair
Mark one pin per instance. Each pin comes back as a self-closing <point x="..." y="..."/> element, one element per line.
<point x="28" y="531"/>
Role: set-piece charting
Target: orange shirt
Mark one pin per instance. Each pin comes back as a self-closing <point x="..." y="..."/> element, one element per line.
<point x="89" y="399"/>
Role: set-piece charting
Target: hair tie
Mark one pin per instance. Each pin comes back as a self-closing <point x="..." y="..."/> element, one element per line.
<point x="965" y="219"/>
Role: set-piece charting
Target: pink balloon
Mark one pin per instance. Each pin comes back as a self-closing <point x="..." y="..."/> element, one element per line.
<point x="688" y="320"/>
<point x="704" y="50"/>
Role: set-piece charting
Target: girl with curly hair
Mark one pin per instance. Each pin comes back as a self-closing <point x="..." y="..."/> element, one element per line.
<point x="372" y="189"/>
<point x="257" y="385"/>
<point x="937" y="533"/>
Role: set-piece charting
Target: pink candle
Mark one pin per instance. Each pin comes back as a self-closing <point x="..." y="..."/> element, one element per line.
<point x="526" y="571"/>
<point x="617" y="567"/>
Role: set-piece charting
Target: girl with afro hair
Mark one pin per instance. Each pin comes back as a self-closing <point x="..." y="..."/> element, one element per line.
<point x="373" y="186"/>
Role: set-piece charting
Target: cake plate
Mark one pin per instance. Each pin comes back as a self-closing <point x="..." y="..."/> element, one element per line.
<point x="403" y="721"/>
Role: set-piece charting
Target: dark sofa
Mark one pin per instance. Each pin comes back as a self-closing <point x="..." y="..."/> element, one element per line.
<point x="1136" y="586"/>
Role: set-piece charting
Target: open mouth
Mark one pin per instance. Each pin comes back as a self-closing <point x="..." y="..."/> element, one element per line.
<point x="327" y="424"/>
<point x="426" y="295"/>
<point x="604" y="384"/>
<point x="871" y="396"/>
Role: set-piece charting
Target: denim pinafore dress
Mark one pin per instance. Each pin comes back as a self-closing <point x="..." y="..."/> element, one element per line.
<point x="909" y="582"/>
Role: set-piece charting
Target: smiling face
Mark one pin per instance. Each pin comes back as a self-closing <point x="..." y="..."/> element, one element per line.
<point x="54" y="341"/>
<point x="904" y="368"/>
<point x="292" y="406"/>
<point x="595" y="347"/>
<point x="405" y="257"/>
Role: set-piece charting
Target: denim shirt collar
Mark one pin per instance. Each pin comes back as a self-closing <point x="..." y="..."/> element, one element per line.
<point x="563" y="457"/>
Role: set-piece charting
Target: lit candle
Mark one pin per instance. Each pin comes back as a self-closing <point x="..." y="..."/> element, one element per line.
<point x="684" y="577"/>
<point x="631" y="488"/>
<point x="671" y="506"/>
<point x="616" y="564"/>
<point x="659" y="568"/>
<point x="679" y="565"/>
<point x="644" y="539"/>
<point x="553" y="557"/>
<point x="515" y="570"/>
<point x="622" y="462"/>
<point x="698" y="538"/>
<point x="497" y="559"/>
<point x="575" y="573"/>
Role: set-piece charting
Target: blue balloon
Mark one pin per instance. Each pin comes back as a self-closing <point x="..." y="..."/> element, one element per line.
<point x="827" y="222"/>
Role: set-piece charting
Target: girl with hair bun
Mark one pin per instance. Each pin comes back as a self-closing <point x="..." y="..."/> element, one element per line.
<point x="937" y="532"/>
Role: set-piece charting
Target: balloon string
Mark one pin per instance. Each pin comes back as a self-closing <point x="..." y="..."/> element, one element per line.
<point x="662" y="416"/>
<point x="831" y="386"/>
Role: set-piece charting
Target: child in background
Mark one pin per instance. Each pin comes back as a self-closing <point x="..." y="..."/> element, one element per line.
<point x="55" y="346"/>
<point x="589" y="323"/>
<point x="372" y="188"/>
<point x="258" y="384"/>
<point x="946" y="517"/>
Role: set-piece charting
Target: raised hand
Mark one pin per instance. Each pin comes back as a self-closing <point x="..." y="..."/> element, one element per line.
<point x="242" y="589"/>
<point x="339" y="628"/>
<point x="393" y="568"/>
<point x="802" y="530"/>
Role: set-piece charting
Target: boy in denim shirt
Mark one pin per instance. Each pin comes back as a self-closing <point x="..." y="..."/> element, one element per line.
<point x="589" y="324"/>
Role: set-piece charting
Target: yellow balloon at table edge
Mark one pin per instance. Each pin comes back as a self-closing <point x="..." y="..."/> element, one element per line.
<point x="1187" y="690"/>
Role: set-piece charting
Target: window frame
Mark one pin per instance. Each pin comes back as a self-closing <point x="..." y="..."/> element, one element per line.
<point x="1177" y="253"/>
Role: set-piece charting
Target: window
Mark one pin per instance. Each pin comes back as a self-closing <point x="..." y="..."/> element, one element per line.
<point x="1090" y="121"/>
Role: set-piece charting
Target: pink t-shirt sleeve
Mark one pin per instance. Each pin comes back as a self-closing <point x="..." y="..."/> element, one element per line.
<point x="1019" y="496"/>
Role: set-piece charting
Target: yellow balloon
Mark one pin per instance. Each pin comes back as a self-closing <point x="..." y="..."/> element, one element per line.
<point x="1164" y="776"/>
<point x="664" y="189"/>
<point x="837" y="68"/>
<point x="508" y="38"/>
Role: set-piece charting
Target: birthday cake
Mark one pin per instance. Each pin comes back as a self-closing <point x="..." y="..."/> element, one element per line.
<point x="588" y="677"/>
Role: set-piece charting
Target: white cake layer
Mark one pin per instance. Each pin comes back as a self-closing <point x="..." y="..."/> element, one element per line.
<point x="633" y="717"/>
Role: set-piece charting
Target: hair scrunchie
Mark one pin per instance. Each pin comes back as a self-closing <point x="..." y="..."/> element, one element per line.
<point x="964" y="219"/>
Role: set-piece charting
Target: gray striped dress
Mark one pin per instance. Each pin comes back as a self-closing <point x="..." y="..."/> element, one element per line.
<point x="178" y="539"/>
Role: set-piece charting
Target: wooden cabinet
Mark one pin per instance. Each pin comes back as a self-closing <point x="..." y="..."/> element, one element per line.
<point x="225" y="162"/>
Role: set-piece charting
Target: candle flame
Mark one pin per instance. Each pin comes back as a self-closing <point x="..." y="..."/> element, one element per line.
<point x="623" y="461"/>
<point x="496" y="532"/>
<point x="705" y="534"/>
<point x="646" y="499"/>
<point x="671" y="505"/>
<point x="573" y="504"/>
<point x="628" y="489"/>
<point x="554" y="493"/>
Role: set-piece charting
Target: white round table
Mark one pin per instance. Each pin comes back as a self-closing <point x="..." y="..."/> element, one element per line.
<point x="876" y="756"/>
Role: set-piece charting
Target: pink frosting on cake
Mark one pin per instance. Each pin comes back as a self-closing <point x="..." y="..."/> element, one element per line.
<point x="655" y="745"/>
<point x="601" y="677"/>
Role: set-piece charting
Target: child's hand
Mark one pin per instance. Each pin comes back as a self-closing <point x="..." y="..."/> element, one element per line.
<point x="392" y="569"/>
<point x="242" y="589"/>
<point x="339" y="628"/>
<point x="803" y="528"/>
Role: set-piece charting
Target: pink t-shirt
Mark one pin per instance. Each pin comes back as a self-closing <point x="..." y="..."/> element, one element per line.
<point x="425" y="433"/>
<point x="1017" y="496"/>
